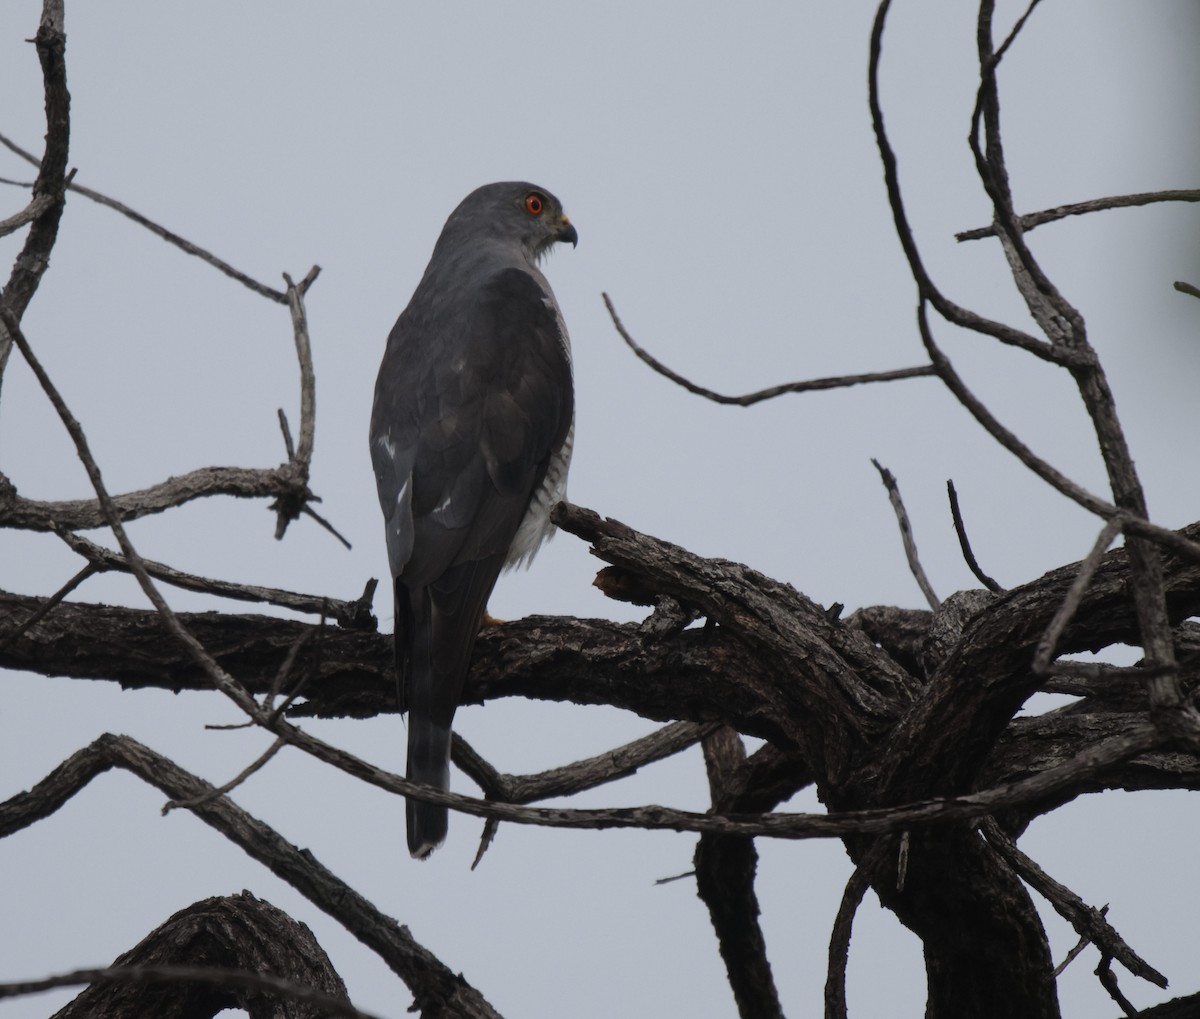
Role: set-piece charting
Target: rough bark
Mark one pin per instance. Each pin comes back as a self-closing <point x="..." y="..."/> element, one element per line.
<point x="237" y="932"/>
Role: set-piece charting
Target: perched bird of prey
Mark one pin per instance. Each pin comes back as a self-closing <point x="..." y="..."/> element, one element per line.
<point x="470" y="440"/>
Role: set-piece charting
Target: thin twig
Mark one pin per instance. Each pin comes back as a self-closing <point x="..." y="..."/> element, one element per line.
<point x="1077" y="951"/>
<point x="928" y="290"/>
<point x="1061" y="323"/>
<point x="1093" y="758"/>
<point x="212" y="794"/>
<point x="1089" y="922"/>
<point x="171" y="238"/>
<point x="1035" y="219"/>
<point x="910" y="545"/>
<point x="287" y="435"/>
<point x="1168" y="539"/>
<point x="35" y="208"/>
<point x="978" y="410"/>
<point x="221" y="679"/>
<point x="284" y="673"/>
<point x="308" y="384"/>
<point x="589" y="773"/>
<point x="101" y="559"/>
<point x="1048" y="645"/>
<point x="1187" y="288"/>
<point x="308" y="511"/>
<point x="748" y="399"/>
<point x="1065" y="327"/>
<point x="1016" y="30"/>
<point x="964" y="543"/>
<point x="45" y="607"/>
<point x="579" y="776"/>
<point x="430" y="979"/>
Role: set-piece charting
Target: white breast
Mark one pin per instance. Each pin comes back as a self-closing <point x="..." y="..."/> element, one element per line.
<point x="535" y="526"/>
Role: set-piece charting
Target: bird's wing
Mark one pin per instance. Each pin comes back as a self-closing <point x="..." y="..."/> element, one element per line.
<point x="469" y="409"/>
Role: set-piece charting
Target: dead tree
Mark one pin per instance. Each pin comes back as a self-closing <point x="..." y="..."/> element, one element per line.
<point x="903" y="720"/>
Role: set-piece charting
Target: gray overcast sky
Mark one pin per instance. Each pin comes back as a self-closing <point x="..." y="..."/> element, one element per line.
<point x="720" y="168"/>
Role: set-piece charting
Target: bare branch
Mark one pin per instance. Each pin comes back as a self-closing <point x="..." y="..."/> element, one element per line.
<point x="725" y="869"/>
<point x="1077" y="950"/>
<point x="927" y="289"/>
<point x="1187" y="288"/>
<point x="839" y="944"/>
<point x="34" y="258"/>
<point x="1065" y="327"/>
<point x="221" y="679"/>
<point x="589" y="773"/>
<point x="48" y="605"/>
<point x="1092" y="759"/>
<point x="257" y="764"/>
<point x="1048" y="645"/>
<point x="1062" y="324"/>
<point x="1089" y="922"/>
<point x="906" y="535"/>
<point x="432" y="983"/>
<point x="288" y="509"/>
<point x="171" y="238"/>
<point x="347" y="613"/>
<point x="1035" y="219"/>
<point x="1108" y="980"/>
<point x="978" y="410"/>
<point x="215" y="976"/>
<point x="964" y="543"/>
<point x="87" y="514"/>
<point x="746" y="400"/>
<point x="36" y="207"/>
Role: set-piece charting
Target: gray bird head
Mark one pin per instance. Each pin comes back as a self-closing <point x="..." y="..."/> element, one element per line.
<point x="510" y="212"/>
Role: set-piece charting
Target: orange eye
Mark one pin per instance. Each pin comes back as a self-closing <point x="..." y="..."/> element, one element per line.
<point x="534" y="203"/>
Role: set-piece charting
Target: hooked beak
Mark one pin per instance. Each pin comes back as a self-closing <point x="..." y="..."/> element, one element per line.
<point x="567" y="232"/>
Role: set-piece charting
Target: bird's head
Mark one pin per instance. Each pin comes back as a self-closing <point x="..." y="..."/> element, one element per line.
<point x="515" y="212"/>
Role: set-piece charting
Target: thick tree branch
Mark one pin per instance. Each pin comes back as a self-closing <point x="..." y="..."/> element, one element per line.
<point x="725" y="871"/>
<point x="233" y="952"/>
<point x="86" y="514"/>
<point x="437" y="990"/>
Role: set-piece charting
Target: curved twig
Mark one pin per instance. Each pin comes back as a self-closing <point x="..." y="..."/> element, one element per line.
<point x="184" y="245"/>
<point x="964" y="542"/>
<point x="748" y="399"/>
<point x="928" y="290"/>
<point x="839" y="944"/>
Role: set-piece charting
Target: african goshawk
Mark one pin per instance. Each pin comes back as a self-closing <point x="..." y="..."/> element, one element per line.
<point x="470" y="440"/>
